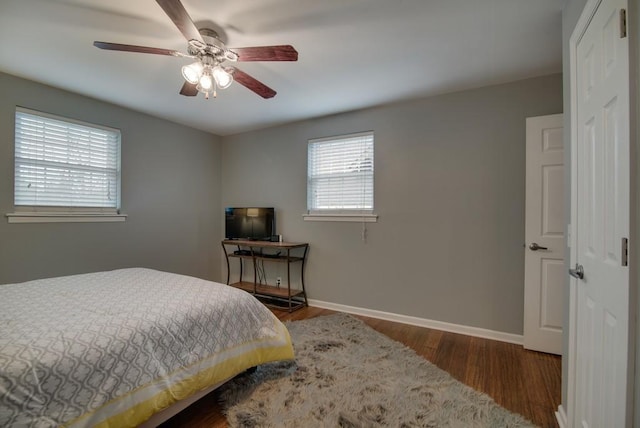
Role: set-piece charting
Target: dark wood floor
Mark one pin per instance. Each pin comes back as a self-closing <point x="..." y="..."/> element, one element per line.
<point x="522" y="381"/>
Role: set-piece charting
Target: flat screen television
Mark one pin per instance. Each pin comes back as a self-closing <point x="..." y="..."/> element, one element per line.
<point x="253" y="223"/>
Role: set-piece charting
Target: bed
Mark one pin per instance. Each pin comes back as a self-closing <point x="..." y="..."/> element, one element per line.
<point x="113" y="349"/>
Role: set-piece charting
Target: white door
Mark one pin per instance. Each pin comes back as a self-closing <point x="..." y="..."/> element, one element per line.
<point x="544" y="270"/>
<point x="601" y="277"/>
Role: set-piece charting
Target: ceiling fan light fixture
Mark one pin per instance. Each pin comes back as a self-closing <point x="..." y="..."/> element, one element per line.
<point x="208" y="49"/>
<point x="192" y="73"/>
<point x="222" y="77"/>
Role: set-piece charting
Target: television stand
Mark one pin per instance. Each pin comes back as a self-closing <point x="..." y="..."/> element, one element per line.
<point x="272" y="296"/>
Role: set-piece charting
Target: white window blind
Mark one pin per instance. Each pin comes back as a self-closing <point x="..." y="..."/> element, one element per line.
<point x="65" y="163"/>
<point x="340" y="174"/>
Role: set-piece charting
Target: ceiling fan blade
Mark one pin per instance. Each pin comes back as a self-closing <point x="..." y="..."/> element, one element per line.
<point x="133" y="48"/>
<point x="189" y="90"/>
<point x="178" y="14"/>
<point x="252" y="84"/>
<point x="267" y="53"/>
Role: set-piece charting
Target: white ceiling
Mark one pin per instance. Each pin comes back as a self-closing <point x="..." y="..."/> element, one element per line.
<point x="352" y="53"/>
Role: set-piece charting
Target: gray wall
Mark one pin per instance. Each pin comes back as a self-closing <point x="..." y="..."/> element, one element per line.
<point x="170" y="190"/>
<point x="449" y="190"/>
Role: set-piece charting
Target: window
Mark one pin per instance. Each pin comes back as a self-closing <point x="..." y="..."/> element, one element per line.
<point x="340" y="178"/>
<point x="64" y="168"/>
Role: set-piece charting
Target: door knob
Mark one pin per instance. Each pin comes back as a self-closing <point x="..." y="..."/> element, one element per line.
<point x="578" y="272"/>
<point x="535" y="247"/>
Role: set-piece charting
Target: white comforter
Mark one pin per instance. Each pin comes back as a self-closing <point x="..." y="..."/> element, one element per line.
<point x="112" y="348"/>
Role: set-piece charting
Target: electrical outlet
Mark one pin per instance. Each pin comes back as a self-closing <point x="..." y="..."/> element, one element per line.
<point x="278" y="281"/>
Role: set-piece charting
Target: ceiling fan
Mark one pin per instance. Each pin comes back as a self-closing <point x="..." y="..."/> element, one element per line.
<point x="209" y="73"/>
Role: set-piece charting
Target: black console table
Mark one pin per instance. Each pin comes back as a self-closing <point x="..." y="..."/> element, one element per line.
<point x="280" y="252"/>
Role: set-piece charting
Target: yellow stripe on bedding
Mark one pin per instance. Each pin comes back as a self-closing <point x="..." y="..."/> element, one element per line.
<point x="138" y="413"/>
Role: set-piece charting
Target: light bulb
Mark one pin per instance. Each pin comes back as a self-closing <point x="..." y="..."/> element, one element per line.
<point x="192" y="72"/>
<point x="206" y="82"/>
<point x="223" y="78"/>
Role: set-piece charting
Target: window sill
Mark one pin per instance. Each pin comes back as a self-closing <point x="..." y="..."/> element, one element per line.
<point x="42" y="217"/>
<point x="358" y="218"/>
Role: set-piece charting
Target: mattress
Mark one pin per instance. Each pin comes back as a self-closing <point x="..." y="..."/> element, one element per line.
<point x="110" y="349"/>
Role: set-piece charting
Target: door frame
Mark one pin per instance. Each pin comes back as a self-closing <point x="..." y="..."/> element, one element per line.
<point x="568" y="418"/>
<point x="588" y="12"/>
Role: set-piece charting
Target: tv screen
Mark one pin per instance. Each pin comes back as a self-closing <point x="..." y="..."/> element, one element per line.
<point x="253" y="223"/>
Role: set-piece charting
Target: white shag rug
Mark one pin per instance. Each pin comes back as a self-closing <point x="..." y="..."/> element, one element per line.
<point x="348" y="375"/>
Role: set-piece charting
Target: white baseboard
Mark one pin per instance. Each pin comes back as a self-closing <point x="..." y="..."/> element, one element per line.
<point x="421" y="322"/>
<point x="561" y="417"/>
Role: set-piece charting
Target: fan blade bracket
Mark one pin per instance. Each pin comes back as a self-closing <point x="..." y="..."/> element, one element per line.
<point x="202" y="50"/>
<point x="181" y="55"/>
<point x="230" y="55"/>
<point x="197" y="45"/>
